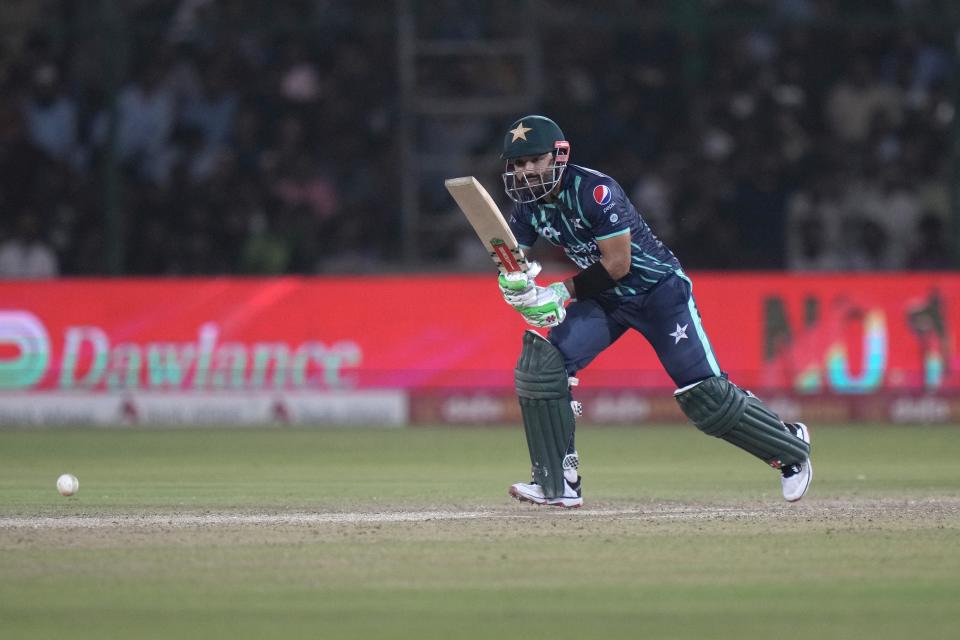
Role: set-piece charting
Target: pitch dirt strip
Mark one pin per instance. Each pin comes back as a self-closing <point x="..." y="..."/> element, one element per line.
<point x="293" y="518"/>
<point x="944" y="507"/>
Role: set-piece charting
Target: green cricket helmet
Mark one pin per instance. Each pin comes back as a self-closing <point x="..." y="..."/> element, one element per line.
<point x="532" y="136"/>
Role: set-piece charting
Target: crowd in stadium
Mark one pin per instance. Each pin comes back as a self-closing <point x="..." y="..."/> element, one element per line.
<point x="273" y="151"/>
<point x="798" y="147"/>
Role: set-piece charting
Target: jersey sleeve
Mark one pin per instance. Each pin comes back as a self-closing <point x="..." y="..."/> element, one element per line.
<point x="606" y="208"/>
<point x="522" y="229"/>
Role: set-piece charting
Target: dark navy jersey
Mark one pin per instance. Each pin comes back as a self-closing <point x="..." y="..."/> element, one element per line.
<point x="591" y="206"/>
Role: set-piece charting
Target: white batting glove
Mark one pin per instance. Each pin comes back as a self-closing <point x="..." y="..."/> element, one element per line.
<point x="547" y="307"/>
<point x="518" y="288"/>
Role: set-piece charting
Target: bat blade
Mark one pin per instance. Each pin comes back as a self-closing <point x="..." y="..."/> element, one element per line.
<point x="489" y="224"/>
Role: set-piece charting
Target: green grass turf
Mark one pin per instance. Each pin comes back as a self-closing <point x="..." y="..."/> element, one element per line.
<point x="704" y="546"/>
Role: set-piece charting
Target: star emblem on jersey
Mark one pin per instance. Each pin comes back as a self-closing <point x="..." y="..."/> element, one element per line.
<point x="520" y="133"/>
<point x="679" y="334"/>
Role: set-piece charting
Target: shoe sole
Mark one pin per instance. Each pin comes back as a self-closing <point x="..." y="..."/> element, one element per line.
<point x="806" y="430"/>
<point x="556" y="503"/>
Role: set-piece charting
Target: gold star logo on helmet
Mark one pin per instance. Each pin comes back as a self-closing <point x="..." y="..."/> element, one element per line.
<point x="520" y="133"/>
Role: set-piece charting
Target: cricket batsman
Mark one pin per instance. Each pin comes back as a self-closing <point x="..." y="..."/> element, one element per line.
<point x="628" y="279"/>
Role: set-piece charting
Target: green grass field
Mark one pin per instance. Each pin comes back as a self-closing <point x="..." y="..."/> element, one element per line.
<point x="380" y="533"/>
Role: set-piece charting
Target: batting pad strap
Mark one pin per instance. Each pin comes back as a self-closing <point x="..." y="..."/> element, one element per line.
<point x="722" y="409"/>
<point x="548" y="420"/>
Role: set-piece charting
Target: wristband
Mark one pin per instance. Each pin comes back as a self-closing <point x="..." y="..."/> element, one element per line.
<point x="592" y="281"/>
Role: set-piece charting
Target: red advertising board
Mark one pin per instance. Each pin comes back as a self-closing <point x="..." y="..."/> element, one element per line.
<point x="822" y="335"/>
<point x="842" y="334"/>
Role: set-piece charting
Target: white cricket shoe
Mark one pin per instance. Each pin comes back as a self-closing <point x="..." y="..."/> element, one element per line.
<point x="795" y="479"/>
<point x="533" y="492"/>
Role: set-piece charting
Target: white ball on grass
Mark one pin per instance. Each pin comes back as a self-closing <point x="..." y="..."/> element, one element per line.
<point x="67" y="484"/>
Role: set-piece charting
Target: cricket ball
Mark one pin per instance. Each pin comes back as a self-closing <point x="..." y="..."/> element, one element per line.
<point x="67" y="484"/>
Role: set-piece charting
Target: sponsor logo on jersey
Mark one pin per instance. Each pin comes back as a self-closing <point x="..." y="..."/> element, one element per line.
<point x="583" y="247"/>
<point x="602" y="194"/>
<point x="549" y="233"/>
<point x="614" y="218"/>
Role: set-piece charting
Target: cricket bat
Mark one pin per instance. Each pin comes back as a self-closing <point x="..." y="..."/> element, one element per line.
<point x="488" y="222"/>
